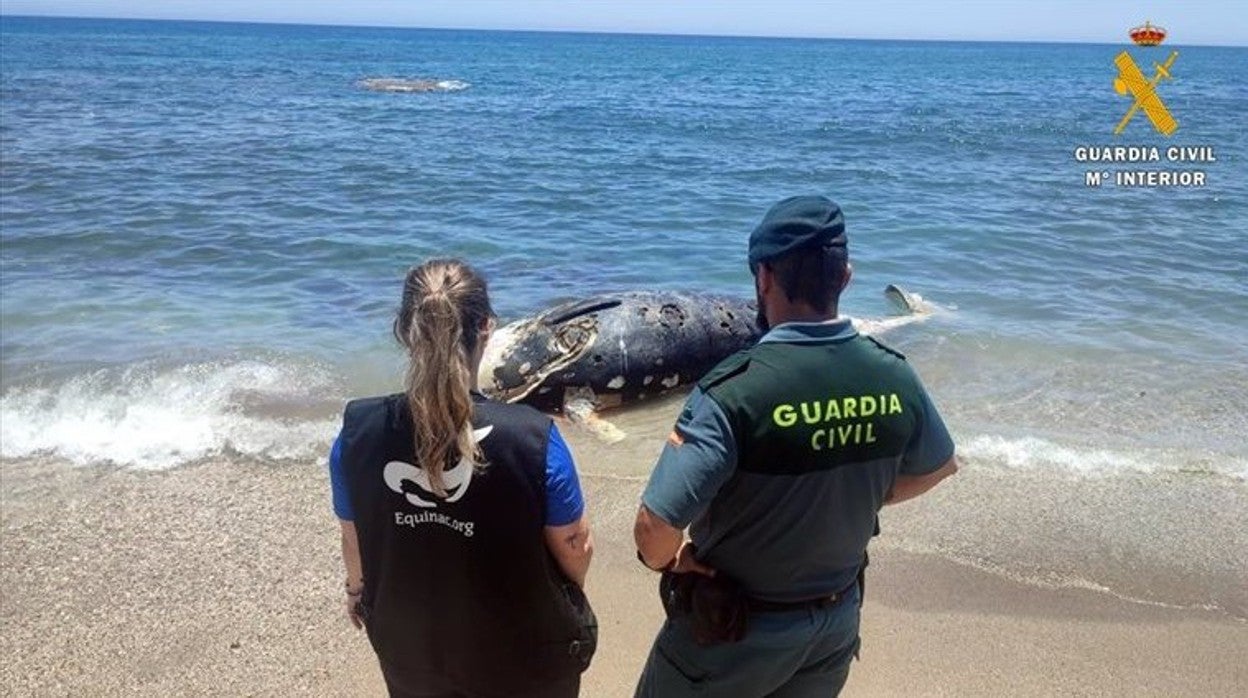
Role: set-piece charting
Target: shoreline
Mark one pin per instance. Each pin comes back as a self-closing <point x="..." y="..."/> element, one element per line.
<point x="224" y="578"/>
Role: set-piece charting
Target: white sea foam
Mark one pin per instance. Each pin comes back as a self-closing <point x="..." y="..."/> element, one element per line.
<point x="1043" y="578"/>
<point x="453" y="85"/>
<point x="154" y="418"/>
<point x="1034" y="453"/>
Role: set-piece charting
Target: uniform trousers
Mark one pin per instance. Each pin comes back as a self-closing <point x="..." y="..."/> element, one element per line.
<point x="785" y="654"/>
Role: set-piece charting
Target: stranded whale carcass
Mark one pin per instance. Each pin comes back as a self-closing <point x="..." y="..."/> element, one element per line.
<point x="614" y="348"/>
<point x="599" y="352"/>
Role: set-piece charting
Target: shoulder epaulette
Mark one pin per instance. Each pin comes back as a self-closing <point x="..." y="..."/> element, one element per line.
<point x="885" y="347"/>
<point x="729" y="367"/>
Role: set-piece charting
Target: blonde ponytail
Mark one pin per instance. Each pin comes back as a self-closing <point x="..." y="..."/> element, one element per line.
<point x="445" y="305"/>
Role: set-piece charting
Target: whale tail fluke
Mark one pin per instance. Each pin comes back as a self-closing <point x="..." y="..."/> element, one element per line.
<point x="913" y="308"/>
<point x="906" y="301"/>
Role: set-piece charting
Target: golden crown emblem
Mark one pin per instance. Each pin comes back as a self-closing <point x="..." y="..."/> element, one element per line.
<point x="1147" y="35"/>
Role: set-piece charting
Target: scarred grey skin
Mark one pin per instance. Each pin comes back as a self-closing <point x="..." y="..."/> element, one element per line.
<point x="617" y="348"/>
<point x="614" y="348"/>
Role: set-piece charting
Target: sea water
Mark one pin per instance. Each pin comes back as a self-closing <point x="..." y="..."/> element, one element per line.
<point x="204" y="229"/>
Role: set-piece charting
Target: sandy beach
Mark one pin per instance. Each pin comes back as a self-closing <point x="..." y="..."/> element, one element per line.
<point x="223" y="579"/>
<point x="206" y="227"/>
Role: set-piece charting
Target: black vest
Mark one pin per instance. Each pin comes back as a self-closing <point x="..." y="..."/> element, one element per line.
<point x="463" y="587"/>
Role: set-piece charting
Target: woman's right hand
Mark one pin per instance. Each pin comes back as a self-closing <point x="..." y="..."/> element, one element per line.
<point x="353" y="610"/>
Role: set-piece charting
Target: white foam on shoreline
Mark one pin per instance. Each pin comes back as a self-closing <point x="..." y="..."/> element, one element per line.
<point x="1032" y="453"/>
<point x="1053" y="580"/>
<point x="155" y="418"/>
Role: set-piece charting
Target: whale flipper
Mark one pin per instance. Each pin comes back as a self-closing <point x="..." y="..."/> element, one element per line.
<point x="581" y="411"/>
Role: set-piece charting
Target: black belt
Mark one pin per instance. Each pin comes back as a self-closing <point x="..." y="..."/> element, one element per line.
<point x="761" y="606"/>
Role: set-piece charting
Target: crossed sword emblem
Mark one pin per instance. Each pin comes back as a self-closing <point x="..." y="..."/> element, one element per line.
<point x="1130" y="79"/>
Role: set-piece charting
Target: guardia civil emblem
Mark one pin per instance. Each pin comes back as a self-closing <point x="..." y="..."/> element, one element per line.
<point x="1142" y="90"/>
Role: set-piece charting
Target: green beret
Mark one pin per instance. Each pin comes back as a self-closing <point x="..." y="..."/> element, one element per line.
<point x="795" y="223"/>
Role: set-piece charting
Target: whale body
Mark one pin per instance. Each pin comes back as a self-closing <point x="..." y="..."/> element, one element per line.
<point x="407" y="85"/>
<point x="617" y="348"/>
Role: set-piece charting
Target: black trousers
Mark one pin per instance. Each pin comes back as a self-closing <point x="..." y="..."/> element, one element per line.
<point x="403" y="684"/>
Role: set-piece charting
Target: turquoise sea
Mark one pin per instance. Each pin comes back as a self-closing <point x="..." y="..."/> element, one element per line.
<point x="204" y="227"/>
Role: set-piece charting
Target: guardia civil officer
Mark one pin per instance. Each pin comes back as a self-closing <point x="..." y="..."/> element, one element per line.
<point x="778" y="464"/>
<point x="463" y="527"/>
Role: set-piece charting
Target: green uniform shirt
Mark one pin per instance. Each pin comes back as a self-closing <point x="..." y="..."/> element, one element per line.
<point x="784" y="453"/>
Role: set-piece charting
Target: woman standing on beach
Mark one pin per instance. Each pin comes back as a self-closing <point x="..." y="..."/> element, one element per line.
<point x="463" y="527"/>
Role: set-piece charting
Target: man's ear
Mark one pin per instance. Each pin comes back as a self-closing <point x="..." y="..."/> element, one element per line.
<point x="849" y="274"/>
<point x="765" y="279"/>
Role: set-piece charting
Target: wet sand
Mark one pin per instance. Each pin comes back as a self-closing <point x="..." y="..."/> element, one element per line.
<point x="224" y="579"/>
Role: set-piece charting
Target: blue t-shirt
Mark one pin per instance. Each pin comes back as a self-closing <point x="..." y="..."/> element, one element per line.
<point x="564" y="501"/>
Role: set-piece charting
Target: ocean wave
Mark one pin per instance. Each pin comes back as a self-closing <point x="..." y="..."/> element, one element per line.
<point x="412" y="85"/>
<point x="1032" y="453"/>
<point x="152" y="417"/>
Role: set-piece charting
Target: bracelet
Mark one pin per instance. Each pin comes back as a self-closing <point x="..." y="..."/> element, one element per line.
<point x="665" y="568"/>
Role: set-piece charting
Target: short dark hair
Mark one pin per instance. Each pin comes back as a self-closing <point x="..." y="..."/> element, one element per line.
<point x="812" y="276"/>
